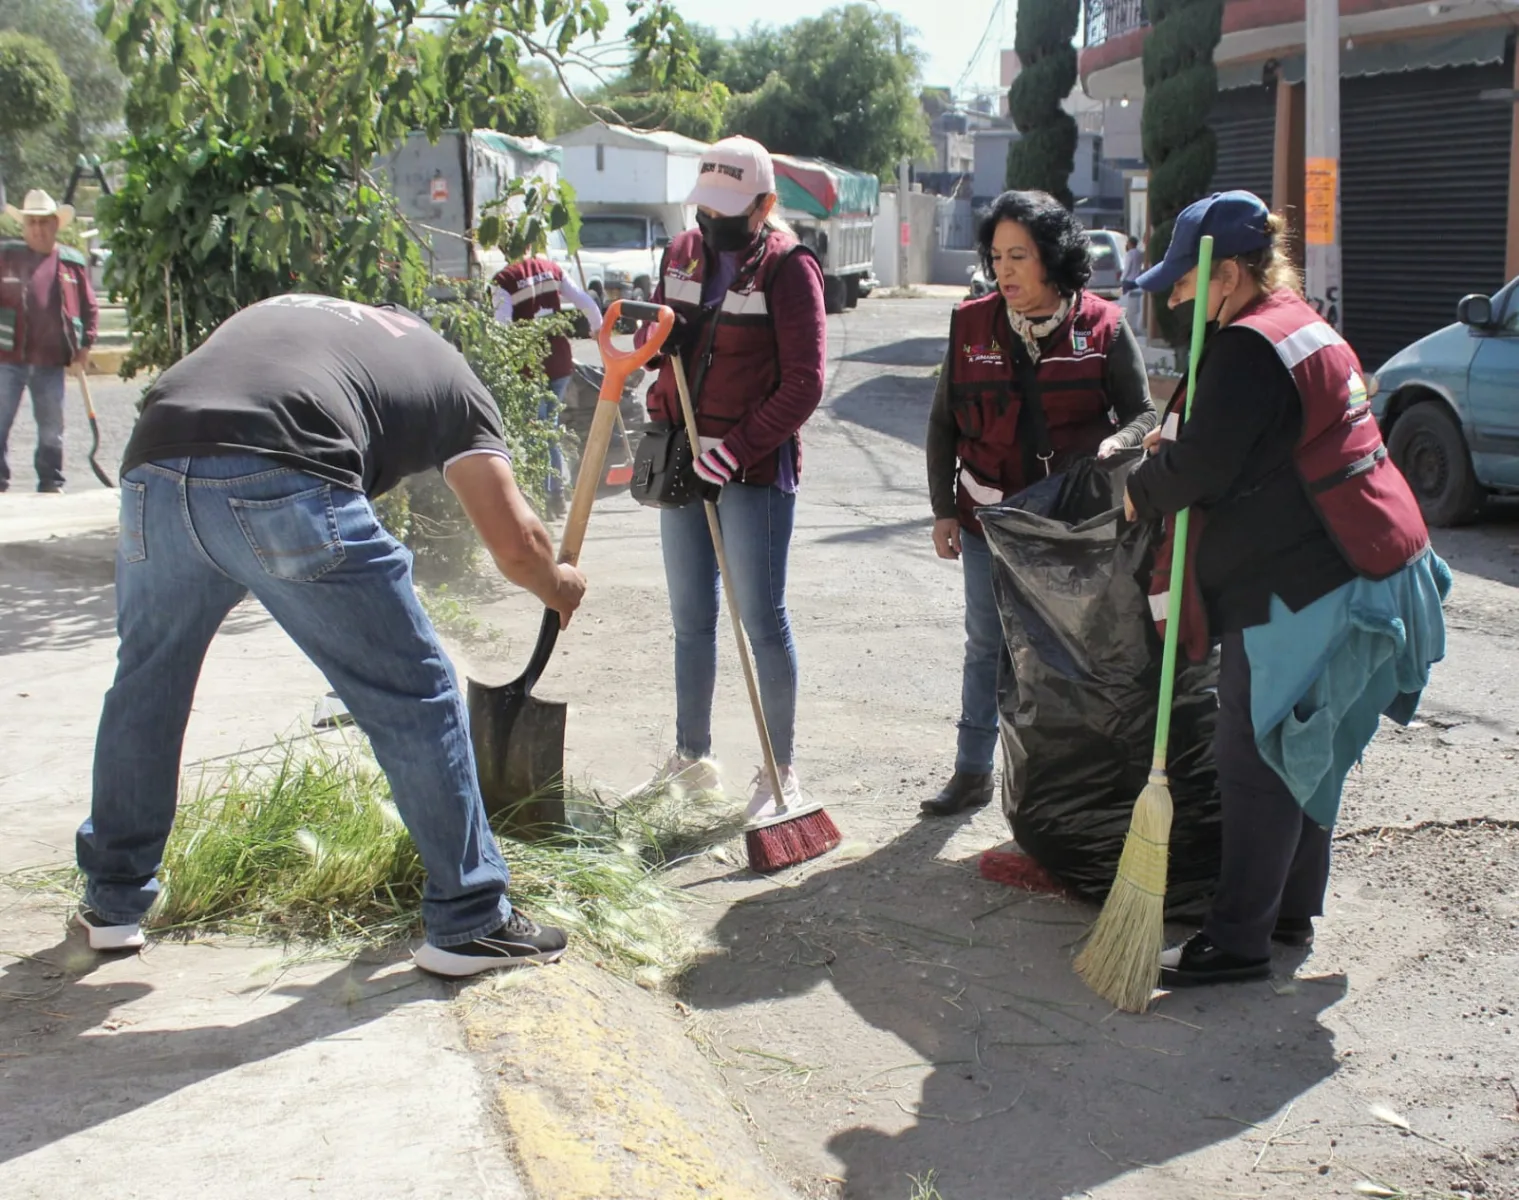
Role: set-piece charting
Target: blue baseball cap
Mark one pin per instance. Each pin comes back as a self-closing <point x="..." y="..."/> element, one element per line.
<point x="1237" y="222"/>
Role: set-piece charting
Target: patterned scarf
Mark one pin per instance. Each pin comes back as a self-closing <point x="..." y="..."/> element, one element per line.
<point x="1031" y="330"/>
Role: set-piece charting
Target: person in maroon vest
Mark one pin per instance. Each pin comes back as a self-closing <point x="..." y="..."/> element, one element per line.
<point x="530" y="288"/>
<point x="752" y="334"/>
<point x="987" y="438"/>
<point x="48" y="319"/>
<point x="1307" y="559"/>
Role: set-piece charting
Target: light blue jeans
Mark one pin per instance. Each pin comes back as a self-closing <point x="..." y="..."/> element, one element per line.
<point x="756" y="524"/>
<point x="984" y="651"/>
<point x="46" y="385"/>
<point x="199" y="534"/>
<point x="549" y="411"/>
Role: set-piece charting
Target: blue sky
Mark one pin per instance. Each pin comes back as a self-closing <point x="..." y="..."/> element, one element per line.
<point x="948" y="31"/>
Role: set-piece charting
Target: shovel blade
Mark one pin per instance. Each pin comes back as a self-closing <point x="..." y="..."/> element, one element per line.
<point x="519" y="756"/>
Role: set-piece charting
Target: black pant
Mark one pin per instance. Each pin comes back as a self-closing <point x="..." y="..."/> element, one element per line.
<point x="1275" y="860"/>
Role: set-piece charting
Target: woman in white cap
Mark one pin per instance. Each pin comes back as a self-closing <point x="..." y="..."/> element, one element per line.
<point x="752" y="335"/>
<point x="48" y="319"/>
<point x="1307" y="559"/>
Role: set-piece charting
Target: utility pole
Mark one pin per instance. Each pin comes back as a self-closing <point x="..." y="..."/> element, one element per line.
<point x="905" y="223"/>
<point x="1322" y="174"/>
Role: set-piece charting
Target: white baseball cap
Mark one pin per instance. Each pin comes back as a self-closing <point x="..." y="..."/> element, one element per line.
<point x="733" y="172"/>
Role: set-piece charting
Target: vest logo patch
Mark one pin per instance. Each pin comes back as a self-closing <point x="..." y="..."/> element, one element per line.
<point x="1357" y="391"/>
<point x="980" y="355"/>
<point x="1081" y="341"/>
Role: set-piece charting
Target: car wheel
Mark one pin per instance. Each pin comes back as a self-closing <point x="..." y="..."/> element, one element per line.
<point x="1429" y="449"/>
<point x="834" y="294"/>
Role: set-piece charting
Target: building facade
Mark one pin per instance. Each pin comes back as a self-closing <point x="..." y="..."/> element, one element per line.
<point x="1429" y="177"/>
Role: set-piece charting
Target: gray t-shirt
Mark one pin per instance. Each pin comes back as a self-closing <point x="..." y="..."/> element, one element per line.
<point x="356" y="395"/>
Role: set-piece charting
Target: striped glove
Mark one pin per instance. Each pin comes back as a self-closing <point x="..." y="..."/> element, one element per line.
<point x="717" y="465"/>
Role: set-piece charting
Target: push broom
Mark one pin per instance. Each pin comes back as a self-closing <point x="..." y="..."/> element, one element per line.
<point x="1121" y="960"/>
<point x="793" y="835"/>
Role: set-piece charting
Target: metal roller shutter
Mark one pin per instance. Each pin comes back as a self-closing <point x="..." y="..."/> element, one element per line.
<point x="1244" y="120"/>
<point x="1424" y="170"/>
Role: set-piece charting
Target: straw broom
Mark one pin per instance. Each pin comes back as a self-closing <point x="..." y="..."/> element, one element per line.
<point x="1121" y="960"/>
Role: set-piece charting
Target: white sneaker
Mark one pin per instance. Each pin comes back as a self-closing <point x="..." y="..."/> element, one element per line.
<point x="684" y="775"/>
<point x="106" y="936"/>
<point x="765" y="808"/>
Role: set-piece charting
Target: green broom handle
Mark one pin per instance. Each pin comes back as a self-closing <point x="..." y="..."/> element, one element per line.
<point x="1183" y="519"/>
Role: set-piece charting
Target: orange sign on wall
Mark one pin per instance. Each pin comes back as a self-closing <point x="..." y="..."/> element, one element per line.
<point x="1321" y="193"/>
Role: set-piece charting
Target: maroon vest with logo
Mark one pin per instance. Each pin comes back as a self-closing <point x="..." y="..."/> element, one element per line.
<point x="1362" y="498"/>
<point x="533" y="286"/>
<point x="986" y="398"/>
<point x="742" y="369"/>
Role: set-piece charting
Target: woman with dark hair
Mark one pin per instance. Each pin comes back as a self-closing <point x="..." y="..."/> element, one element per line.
<point x="1039" y="373"/>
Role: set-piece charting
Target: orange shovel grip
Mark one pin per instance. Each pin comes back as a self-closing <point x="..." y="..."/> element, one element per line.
<point x="622" y="363"/>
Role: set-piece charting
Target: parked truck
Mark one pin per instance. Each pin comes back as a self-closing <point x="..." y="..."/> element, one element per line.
<point x="833" y="212"/>
<point x="442" y="187"/>
<point x="631" y="188"/>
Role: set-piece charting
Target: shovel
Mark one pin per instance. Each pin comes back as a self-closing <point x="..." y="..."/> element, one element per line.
<point x="518" y="738"/>
<point x="89" y="408"/>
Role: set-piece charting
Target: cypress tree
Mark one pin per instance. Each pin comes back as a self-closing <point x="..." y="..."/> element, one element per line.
<point x="1181" y="83"/>
<point x="1043" y="158"/>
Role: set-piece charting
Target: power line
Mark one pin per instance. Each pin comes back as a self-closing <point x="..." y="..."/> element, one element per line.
<point x="997" y="10"/>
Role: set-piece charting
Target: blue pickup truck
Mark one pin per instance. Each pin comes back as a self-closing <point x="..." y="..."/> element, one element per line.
<point x="1448" y="406"/>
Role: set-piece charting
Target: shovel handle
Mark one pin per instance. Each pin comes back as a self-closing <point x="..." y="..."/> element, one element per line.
<point x="622" y="363"/>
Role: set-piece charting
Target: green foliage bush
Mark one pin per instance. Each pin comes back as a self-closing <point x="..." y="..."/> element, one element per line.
<point x="1043" y="158"/>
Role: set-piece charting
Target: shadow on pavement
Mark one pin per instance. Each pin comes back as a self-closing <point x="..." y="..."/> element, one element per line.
<point x="896" y="405"/>
<point x="66" y="1066"/>
<point x="61" y="595"/>
<point x="1036" y="1090"/>
<point x="909" y="352"/>
<point x="1488" y="548"/>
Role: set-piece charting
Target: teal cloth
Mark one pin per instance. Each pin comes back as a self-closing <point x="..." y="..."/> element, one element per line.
<point x="1321" y="679"/>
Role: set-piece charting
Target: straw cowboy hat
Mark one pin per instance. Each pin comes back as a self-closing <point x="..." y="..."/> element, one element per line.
<point x="39" y="204"/>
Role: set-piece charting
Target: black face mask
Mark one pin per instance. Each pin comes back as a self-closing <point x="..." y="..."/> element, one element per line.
<point x="726" y="234"/>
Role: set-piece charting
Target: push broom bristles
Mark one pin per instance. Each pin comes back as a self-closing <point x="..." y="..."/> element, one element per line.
<point x="787" y="843"/>
<point x="1121" y="960"/>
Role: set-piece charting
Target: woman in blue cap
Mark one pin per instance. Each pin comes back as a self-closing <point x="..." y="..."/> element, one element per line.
<point x="1307" y="559"/>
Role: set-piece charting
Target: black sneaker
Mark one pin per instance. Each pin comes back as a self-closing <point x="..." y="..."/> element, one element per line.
<point x="1293" y="931"/>
<point x="1197" y="961"/>
<point x="518" y="941"/>
<point x="107" y="935"/>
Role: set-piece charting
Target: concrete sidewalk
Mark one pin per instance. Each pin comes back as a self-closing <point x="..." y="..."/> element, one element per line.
<point x="208" y="1068"/>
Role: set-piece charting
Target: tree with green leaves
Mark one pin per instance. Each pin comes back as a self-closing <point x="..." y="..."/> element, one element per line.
<point x="1044" y="156"/>
<point x="840" y="86"/>
<point x="45" y="156"/>
<point x="34" y="91"/>
<point x="1181" y="83"/>
<point x="253" y="123"/>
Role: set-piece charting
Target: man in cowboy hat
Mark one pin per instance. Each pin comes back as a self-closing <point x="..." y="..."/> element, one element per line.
<point x="48" y="320"/>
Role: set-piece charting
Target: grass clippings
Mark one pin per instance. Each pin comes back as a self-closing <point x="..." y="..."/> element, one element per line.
<point x="306" y="846"/>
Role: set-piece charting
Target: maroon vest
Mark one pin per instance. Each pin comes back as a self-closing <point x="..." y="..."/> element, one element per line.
<point x="986" y="398"/>
<point x="533" y="286"/>
<point x="742" y="369"/>
<point x="1365" y="503"/>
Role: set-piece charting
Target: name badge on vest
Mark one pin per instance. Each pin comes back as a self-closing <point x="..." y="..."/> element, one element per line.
<point x="1081" y="341"/>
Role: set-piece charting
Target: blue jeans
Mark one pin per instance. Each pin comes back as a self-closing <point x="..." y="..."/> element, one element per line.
<point x="984" y="651"/>
<point x="547" y="410"/>
<point x="199" y="534"/>
<point x="46" y="386"/>
<point x="756" y="524"/>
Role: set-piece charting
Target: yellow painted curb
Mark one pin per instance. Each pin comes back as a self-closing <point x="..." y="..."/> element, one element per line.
<point x="604" y="1096"/>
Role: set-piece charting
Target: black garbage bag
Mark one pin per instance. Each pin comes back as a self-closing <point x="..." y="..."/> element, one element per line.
<point x="1078" y="697"/>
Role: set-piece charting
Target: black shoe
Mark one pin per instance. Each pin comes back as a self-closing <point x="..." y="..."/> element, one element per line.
<point x="518" y="941"/>
<point x="1293" y="931"/>
<point x="1197" y="961"/>
<point x="50" y="489"/>
<point x="963" y="791"/>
